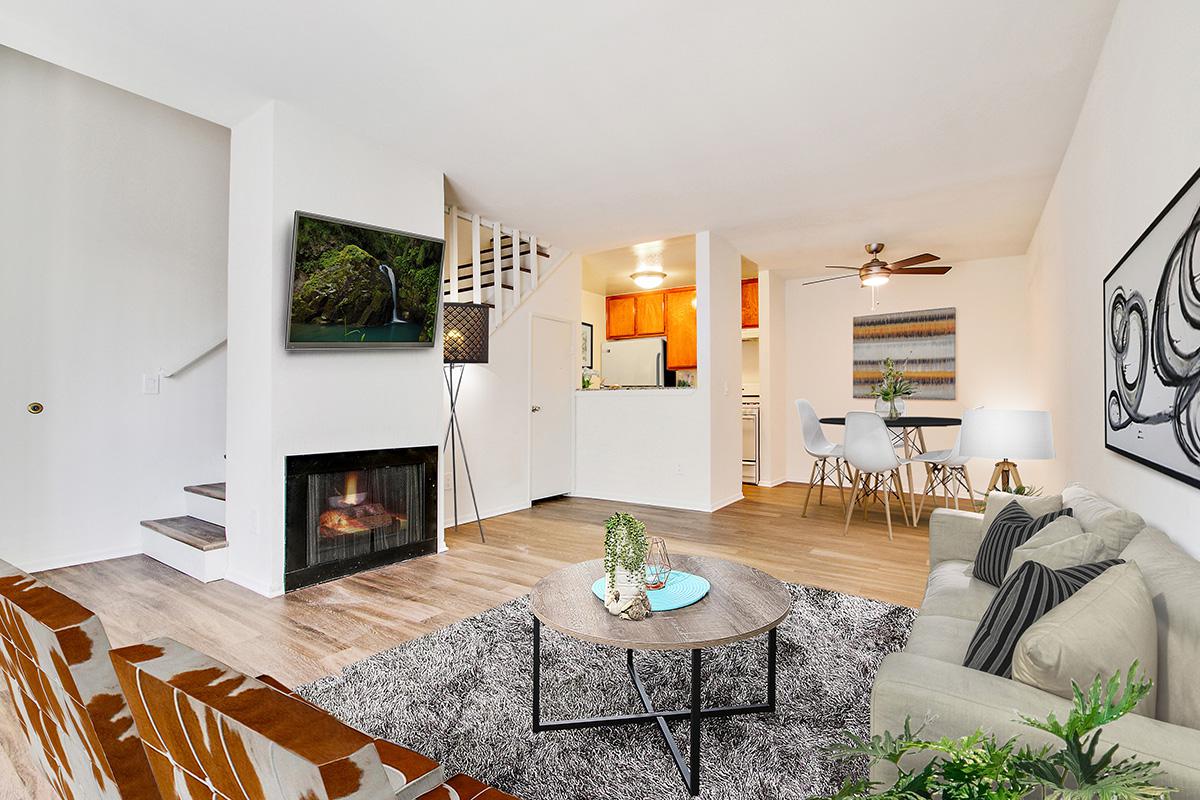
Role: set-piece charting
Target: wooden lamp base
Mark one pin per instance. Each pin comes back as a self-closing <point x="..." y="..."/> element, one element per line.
<point x="1005" y="477"/>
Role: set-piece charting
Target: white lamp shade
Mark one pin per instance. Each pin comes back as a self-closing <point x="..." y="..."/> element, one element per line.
<point x="1001" y="433"/>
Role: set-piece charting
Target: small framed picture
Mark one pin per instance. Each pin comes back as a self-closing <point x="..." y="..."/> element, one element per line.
<point x="587" y="345"/>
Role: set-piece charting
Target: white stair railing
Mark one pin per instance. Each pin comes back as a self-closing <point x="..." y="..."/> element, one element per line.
<point x="505" y="264"/>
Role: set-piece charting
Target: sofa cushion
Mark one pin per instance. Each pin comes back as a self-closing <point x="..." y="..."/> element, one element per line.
<point x="1173" y="578"/>
<point x="1102" y="517"/>
<point x="1059" y="545"/>
<point x="953" y="591"/>
<point x="1095" y="633"/>
<point x="940" y="638"/>
<point x="1029" y="593"/>
<point x="997" y="501"/>
<point x="1010" y="529"/>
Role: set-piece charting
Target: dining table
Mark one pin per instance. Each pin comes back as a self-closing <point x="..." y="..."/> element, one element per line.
<point x="908" y="432"/>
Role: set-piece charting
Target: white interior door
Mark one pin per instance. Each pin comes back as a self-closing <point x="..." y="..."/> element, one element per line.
<point x="553" y="375"/>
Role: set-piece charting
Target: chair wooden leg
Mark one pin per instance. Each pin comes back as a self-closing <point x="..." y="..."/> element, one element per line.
<point x="900" y="496"/>
<point x="970" y="491"/>
<point x="811" y="476"/>
<point x="929" y="484"/>
<point x="821" y="491"/>
<point x="839" y="464"/>
<point x="887" y="510"/>
<point x="853" y="496"/>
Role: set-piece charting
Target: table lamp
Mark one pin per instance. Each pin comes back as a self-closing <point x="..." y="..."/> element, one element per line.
<point x="1006" y="434"/>
<point x="464" y="341"/>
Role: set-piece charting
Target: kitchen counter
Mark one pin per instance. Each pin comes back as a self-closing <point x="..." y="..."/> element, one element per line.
<point x="640" y="390"/>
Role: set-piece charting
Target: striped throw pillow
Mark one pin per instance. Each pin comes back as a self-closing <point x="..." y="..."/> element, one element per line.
<point x="1012" y="527"/>
<point x="1028" y="593"/>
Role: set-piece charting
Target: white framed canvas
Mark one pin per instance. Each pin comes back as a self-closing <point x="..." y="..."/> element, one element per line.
<point x="1152" y="344"/>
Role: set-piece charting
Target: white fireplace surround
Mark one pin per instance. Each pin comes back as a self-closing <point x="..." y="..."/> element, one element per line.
<point x="283" y="403"/>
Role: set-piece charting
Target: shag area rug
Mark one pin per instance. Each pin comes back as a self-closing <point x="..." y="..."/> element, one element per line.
<point x="462" y="695"/>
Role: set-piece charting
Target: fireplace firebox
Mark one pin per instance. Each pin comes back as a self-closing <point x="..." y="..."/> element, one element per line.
<point x="348" y="512"/>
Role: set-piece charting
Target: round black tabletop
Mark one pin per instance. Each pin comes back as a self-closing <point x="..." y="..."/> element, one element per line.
<point x="905" y="422"/>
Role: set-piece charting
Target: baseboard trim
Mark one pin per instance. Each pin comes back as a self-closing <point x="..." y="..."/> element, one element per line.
<point x="654" y="502"/>
<point x="46" y="564"/>
<point x="733" y="498"/>
<point x="254" y="585"/>
<point x="485" y="515"/>
<point x="773" y="484"/>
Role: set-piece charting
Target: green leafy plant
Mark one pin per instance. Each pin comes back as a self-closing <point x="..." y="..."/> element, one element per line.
<point x="893" y="384"/>
<point x="625" y="545"/>
<point x="1028" y="491"/>
<point x="979" y="766"/>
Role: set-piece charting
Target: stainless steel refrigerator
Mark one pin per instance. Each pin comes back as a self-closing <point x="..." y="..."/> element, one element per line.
<point x="637" y="362"/>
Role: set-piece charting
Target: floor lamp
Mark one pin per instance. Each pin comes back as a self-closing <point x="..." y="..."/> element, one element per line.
<point x="1005" y="434"/>
<point x="464" y="341"/>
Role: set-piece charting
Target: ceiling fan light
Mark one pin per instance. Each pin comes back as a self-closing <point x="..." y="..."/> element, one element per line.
<point x="649" y="280"/>
<point x="878" y="279"/>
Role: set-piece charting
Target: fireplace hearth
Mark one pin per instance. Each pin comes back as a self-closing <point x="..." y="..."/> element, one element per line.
<point x="349" y="512"/>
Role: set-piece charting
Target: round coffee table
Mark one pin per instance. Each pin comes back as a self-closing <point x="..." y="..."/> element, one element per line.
<point x="742" y="603"/>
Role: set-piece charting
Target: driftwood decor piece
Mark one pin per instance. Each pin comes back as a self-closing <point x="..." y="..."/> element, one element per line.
<point x="625" y="549"/>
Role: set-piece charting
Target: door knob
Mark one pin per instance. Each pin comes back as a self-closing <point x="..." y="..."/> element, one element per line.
<point x="535" y="409"/>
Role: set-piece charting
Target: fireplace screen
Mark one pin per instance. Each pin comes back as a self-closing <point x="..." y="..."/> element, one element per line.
<point x="352" y="511"/>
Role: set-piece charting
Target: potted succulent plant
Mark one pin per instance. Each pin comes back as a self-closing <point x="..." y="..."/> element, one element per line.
<point x="891" y="390"/>
<point x="625" y="549"/>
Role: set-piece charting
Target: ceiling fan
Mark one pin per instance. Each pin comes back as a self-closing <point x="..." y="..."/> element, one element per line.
<point x="877" y="272"/>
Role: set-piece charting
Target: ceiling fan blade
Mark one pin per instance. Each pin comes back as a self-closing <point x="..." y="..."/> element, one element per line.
<point x="922" y="271"/>
<point x="825" y="280"/>
<point x="853" y="268"/>
<point x="912" y="261"/>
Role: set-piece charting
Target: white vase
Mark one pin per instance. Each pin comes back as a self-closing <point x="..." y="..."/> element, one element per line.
<point x="628" y="584"/>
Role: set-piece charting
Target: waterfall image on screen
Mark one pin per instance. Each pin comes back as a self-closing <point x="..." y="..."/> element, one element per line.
<point x="362" y="286"/>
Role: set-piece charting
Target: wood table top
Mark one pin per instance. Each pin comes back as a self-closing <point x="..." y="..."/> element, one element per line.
<point x="742" y="602"/>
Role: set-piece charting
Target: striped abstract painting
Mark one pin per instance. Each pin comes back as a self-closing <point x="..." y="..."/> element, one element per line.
<point x="920" y="342"/>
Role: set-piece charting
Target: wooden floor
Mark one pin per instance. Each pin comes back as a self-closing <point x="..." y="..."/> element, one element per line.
<point x="316" y="631"/>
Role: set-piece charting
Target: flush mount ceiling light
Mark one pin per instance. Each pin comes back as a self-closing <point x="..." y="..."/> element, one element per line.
<point x="649" y="274"/>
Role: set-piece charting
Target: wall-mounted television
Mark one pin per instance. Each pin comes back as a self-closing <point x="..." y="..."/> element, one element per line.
<point x="361" y="286"/>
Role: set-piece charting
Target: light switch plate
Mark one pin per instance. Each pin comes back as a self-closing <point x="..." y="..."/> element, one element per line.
<point x="150" y="383"/>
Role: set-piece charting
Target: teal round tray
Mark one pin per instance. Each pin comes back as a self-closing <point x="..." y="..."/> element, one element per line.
<point x="682" y="589"/>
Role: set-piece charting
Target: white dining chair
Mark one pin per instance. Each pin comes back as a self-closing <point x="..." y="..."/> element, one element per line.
<point x="823" y="451"/>
<point x="945" y="470"/>
<point x="876" y="466"/>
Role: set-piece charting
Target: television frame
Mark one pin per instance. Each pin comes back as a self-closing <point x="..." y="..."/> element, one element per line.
<point x="288" y="344"/>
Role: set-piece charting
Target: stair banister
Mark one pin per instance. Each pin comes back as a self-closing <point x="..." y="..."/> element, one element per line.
<point x="476" y="269"/>
<point x="533" y="262"/>
<point x="498" y="275"/>
<point x="516" y="267"/>
<point x="452" y="253"/>
<point x="193" y="360"/>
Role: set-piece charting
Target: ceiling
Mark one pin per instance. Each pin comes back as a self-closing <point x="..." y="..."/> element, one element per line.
<point x="608" y="271"/>
<point x="797" y="129"/>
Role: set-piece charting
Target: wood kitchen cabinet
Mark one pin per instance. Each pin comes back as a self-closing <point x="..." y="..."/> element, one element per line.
<point x="649" y="316"/>
<point x="681" y="328"/>
<point x="750" y="303"/>
<point x="620" y="316"/>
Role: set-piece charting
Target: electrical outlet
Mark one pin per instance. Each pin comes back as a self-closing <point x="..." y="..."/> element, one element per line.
<point x="150" y="382"/>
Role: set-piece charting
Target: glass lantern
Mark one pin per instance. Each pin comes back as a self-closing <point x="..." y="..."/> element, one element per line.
<point x="658" y="564"/>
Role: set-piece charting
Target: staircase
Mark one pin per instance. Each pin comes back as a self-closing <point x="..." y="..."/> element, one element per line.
<point x="489" y="263"/>
<point x="193" y="544"/>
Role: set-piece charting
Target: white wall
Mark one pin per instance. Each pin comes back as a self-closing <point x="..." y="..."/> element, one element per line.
<point x="679" y="448"/>
<point x="993" y="346"/>
<point x="113" y="214"/>
<point x="1136" y="142"/>
<point x="281" y="403"/>
<point x="493" y="406"/>
<point x="775" y="396"/>
<point x="595" y="311"/>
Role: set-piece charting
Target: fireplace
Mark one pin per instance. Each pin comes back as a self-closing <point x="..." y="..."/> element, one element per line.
<point x="348" y="512"/>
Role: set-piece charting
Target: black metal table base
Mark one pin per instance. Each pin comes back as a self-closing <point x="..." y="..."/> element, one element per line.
<point x="689" y="769"/>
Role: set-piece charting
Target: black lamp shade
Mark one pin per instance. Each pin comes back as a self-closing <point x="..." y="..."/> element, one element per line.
<point x="465" y="333"/>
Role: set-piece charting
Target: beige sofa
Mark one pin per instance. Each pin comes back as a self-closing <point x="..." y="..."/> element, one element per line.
<point x="928" y="683"/>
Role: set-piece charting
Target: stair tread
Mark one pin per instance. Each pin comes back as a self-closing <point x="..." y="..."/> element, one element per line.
<point x="214" y="490"/>
<point x="190" y="531"/>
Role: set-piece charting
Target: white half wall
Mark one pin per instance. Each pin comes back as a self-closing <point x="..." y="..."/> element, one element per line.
<point x="283" y="403"/>
<point x="113" y="215"/>
<point x="992" y="352"/>
<point x="678" y="448"/>
<point x="1136" y="142"/>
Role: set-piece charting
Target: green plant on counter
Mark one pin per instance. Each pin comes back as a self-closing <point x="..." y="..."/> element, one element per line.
<point x="893" y="384"/>
<point x="978" y="766"/>
<point x="625" y="545"/>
